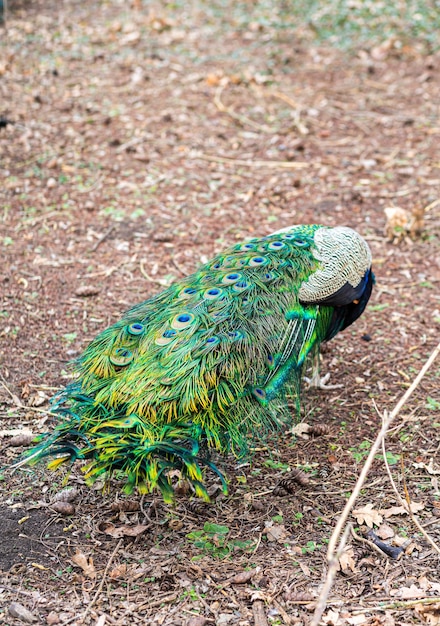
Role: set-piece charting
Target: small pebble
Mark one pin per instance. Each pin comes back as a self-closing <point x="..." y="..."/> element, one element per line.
<point x="22" y="613"/>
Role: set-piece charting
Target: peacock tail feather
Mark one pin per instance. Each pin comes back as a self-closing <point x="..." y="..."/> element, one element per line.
<point x="210" y="362"/>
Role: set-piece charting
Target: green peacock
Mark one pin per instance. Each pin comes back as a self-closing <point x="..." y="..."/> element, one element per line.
<point x="208" y="364"/>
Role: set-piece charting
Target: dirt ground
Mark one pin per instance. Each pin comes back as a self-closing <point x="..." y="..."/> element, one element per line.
<point x="135" y="142"/>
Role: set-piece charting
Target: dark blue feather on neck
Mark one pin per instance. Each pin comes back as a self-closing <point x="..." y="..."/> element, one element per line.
<point x="345" y="314"/>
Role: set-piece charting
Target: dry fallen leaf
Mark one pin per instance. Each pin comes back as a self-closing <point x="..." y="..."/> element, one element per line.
<point x="122" y="531"/>
<point x="408" y="593"/>
<point x="241" y="578"/>
<point x="125" y="505"/>
<point x="428" y="585"/>
<point x="358" y="620"/>
<point x="52" y="619"/>
<point x="332" y="617"/>
<point x="85" y="291"/>
<point x="199" y="620"/>
<point x="430" y="614"/>
<point x="301" y="429"/>
<point x="429" y="468"/>
<point x="119" y="571"/>
<point x="86" y="564"/>
<point x="367" y="515"/>
<point x="385" y="531"/>
<point x="401" y="223"/>
<point x="347" y="560"/>
<point x="400" y="510"/>
<point x="21" y="440"/>
<point x="275" y="532"/>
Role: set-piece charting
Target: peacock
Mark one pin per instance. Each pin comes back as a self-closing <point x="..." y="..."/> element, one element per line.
<point x="208" y="365"/>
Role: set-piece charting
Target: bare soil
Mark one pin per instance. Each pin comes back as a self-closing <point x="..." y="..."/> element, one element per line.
<point x="134" y="144"/>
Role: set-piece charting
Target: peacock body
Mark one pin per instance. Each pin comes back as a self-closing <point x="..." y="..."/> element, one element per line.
<point x="209" y="362"/>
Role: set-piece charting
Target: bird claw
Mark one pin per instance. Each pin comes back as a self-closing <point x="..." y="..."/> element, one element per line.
<point x="320" y="383"/>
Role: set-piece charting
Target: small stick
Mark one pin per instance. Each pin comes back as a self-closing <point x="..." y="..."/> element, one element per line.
<point x="101" y="584"/>
<point x="432" y="205"/>
<point x="260" y="618"/>
<point x="102" y="238"/>
<point x="293" y="165"/>
<point x="331" y="573"/>
<point x="236" y="116"/>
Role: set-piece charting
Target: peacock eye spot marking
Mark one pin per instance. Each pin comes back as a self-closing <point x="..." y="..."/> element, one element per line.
<point x="276" y="245"/>
<point x="121" y="357"/>
<point x="259" y="393"/>
<point x="169" y="333"/>
<point x="182" y="321"/>
<point x="135" y="329"/>
<point x="268" y="276"/>
<point x="301" y="243"/>
<point x="207" y="277"/>
<point x="257" y="261"/>
<point x="231" y="278"/>
<point x="189" y="290"/>
<point x="247" y="246"/>
<point x="213" y="294"/>
<point x="240" y="285"/>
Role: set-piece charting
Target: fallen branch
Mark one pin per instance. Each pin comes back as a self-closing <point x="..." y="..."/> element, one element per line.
<point x="332" y="550"/>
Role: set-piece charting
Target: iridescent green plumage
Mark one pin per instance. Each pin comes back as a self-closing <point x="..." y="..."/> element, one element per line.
<point x="209" y="362"/>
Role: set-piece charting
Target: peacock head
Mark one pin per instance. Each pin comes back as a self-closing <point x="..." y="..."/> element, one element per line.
<point x="343" y="278"/>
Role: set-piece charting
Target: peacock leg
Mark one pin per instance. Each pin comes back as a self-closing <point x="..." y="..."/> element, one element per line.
<point x="317" y="381"/>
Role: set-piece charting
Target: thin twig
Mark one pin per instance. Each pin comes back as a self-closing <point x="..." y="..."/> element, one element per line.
<point x="102" y="238"/>
<point x="397" y="604"/>
<point x="16" y="400"/>
<point x="259" y="613"/>
<point x="293" y="165"/>
<point x="331" y="573"/>
<point x="162" y="600"/>
<point x="101" y="584"/>
<point x="302" y="128"/>
<point x="237" y="116"/>
<point x="432" y="205"/>
<point x="94" y="185"/>
<point x="398" y="194"/>
<point x="163" y="282"/>
<point x="132" y="142"/>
